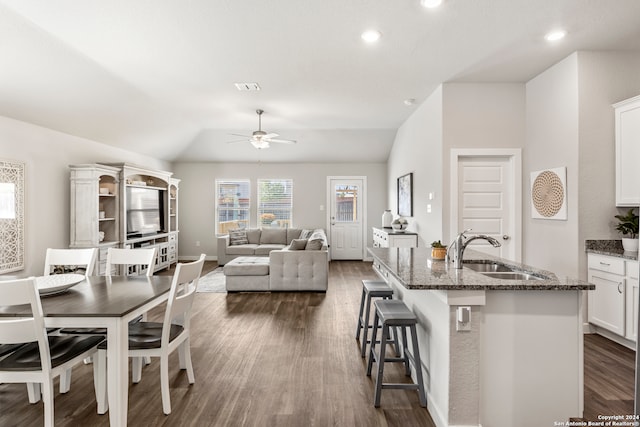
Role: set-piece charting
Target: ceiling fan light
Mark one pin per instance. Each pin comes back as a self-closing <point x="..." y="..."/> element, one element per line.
<point x="260" y="144"/>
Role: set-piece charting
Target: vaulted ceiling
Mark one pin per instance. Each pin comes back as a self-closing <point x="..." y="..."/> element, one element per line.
<point x="157" y="76"/>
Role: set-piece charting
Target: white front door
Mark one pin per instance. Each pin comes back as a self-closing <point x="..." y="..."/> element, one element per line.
<point x="488" y="202"/>
<point x="346" y="219"/>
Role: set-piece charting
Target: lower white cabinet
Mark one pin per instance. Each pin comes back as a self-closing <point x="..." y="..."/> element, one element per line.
<point x="631" y="330"/>
<point x="391" y="239"/>
<point x="613" y="305"/>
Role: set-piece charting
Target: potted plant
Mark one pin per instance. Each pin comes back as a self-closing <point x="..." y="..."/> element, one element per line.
<point x="438" y="250"/>
<point x="628" y="227"/>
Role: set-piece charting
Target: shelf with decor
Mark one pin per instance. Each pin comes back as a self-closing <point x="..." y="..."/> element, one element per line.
<point x="174" y="189"/>
<point x="123" y="205"/>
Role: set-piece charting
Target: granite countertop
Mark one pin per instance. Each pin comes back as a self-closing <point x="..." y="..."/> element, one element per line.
<point x="415" y="269"/>
<point x="610" y="248"/>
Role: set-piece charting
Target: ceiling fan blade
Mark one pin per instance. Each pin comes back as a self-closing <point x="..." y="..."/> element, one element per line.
<point x="237" y="134"/>
<point x="235" y="141"/>
<point x="270" y="135"/>
<point x="283" y="141"/>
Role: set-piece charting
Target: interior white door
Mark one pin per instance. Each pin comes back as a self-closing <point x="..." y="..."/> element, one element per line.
<point x="346" y="218"/>
<point x="485" y="199"/>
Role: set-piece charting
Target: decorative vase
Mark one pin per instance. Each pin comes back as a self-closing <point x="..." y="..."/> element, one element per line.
<point x="387" y="217"/>
<point x="630" y="245"/>
<point x="438" y="253"/>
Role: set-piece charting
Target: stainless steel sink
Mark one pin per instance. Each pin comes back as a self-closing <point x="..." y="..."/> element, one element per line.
<point x="513" y="275"/>
<point x="498" y="270"/>
<point x="486" y="267"/>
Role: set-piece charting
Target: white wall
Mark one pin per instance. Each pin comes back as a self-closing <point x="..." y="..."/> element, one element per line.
<point x="456" y="115"/>
<point x="197" y="196"/>
<point x="479" y="115"/>
<point x="604" y="78"/>
<point x="570" y="122"/>
<point x="417" y="148"/>
<point x="552" y="141"/>
<point x="47" y="154"/>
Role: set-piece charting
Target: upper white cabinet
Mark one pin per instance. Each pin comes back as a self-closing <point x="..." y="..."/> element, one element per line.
<point x="628" y="152"/>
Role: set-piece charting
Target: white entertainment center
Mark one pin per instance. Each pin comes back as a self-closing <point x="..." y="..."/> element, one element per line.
<point x="125" y="206"/>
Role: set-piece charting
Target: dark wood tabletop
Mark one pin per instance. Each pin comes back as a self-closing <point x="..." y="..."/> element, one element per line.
<point x="100" y="296"/>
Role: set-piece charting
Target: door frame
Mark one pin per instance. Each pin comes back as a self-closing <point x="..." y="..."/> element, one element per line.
<point x="514" y="155"/>
<point x="364" y="210"/>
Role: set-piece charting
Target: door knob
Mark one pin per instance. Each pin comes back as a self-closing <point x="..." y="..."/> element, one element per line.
<point x="506" y="237"/>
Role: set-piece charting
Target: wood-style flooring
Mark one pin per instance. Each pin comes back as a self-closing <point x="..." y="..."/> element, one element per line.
<point x="288" y="359"/>
<point x="609" y="377"/>
<point x="261" y="359"/>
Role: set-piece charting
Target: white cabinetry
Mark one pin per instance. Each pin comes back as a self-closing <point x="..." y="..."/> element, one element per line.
<point x="94" y="209"/>
<point x="99" y="206"/>
<point x="390" y="239"/>
<point x="631" y="330"/>
<point x="627" y="114"/>
<point x="174" y="187"/>
<point x="613" y="305"/>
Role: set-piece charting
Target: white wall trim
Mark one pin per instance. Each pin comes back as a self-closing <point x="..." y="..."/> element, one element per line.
<point x="364" y="210"/>
<point x="515" y="156"/>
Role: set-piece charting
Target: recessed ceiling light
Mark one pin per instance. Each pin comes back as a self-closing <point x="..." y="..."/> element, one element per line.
<point x="371" y="36"/>
<point x="555" y="35"/>
<point x="430" y="4"/>
<point x="409" y="101"/>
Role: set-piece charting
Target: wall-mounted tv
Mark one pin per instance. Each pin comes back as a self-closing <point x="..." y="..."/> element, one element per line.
<point x="145" y="213"/>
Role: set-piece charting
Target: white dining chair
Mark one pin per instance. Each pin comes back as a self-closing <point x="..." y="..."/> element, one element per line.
<point x="43" y="357"/>
<point x="144" y="258"/>
<point x="157" y="339"/>
<point x="69" y="258"/>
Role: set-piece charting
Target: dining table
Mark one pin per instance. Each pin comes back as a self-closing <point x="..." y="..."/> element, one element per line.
<point x="105" y="302"/>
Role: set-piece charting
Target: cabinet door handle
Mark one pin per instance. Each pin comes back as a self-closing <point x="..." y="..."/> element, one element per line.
<point x="619" y="290"/>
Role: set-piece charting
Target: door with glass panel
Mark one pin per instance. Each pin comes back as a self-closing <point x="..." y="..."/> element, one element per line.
<point x="346" y="219"/>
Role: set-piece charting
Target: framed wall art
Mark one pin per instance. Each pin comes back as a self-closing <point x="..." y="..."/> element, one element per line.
<point x="405" y="195"/>
<point x="549" y="194"/>
<point x="11" y="215"/>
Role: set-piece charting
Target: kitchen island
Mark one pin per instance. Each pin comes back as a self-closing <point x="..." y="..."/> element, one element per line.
<point x="518" y="361"/>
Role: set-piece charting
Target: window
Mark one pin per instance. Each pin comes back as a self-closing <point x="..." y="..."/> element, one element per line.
<point x="275" y="203"/>
<point x="232" y="204"/>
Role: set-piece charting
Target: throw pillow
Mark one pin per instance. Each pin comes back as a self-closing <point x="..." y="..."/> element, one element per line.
<point x="238" y="237"/>
<point x="314" y="245"/>
<point x="298" y="245"/>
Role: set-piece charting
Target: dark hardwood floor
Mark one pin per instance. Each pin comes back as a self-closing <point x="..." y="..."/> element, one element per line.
<point x="288" y="359"/>
<point x="609" y="377"/>
<point x="280" y="359"/>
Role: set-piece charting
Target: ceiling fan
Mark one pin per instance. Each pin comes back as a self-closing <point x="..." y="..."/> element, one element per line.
<point x="261" y="139"/>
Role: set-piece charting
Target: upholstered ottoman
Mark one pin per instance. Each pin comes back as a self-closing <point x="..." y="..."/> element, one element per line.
<point x="247" y="274"/>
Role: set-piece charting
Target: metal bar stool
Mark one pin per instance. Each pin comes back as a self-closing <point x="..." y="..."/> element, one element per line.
<point x="394" y="313"/>
<point x="370" y="289"/>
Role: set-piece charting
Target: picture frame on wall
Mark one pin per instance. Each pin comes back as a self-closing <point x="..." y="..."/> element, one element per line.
<point x="405" y="195"/>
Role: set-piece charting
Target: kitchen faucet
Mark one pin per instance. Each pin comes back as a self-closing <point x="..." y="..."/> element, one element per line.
<point x="461" y="241"/>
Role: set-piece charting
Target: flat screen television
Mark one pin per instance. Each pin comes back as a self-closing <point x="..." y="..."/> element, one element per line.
<point x="145" y="214"/>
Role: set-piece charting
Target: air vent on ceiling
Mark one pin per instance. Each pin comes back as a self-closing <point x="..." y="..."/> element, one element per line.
<point x="247" y="86"/>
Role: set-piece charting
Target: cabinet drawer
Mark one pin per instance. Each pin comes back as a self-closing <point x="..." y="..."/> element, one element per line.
<point x="605" y="263"/>
<point x="172" y="237"/>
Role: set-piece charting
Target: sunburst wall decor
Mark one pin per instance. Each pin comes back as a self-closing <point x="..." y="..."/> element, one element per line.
<point x="549" y="194"/>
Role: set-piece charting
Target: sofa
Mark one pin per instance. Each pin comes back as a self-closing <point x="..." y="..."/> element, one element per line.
<point x="298" y="259"/>
<point x="261" y="241"/>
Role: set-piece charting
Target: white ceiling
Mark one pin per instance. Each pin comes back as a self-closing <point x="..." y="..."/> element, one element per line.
<point x="157" y="76"/>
